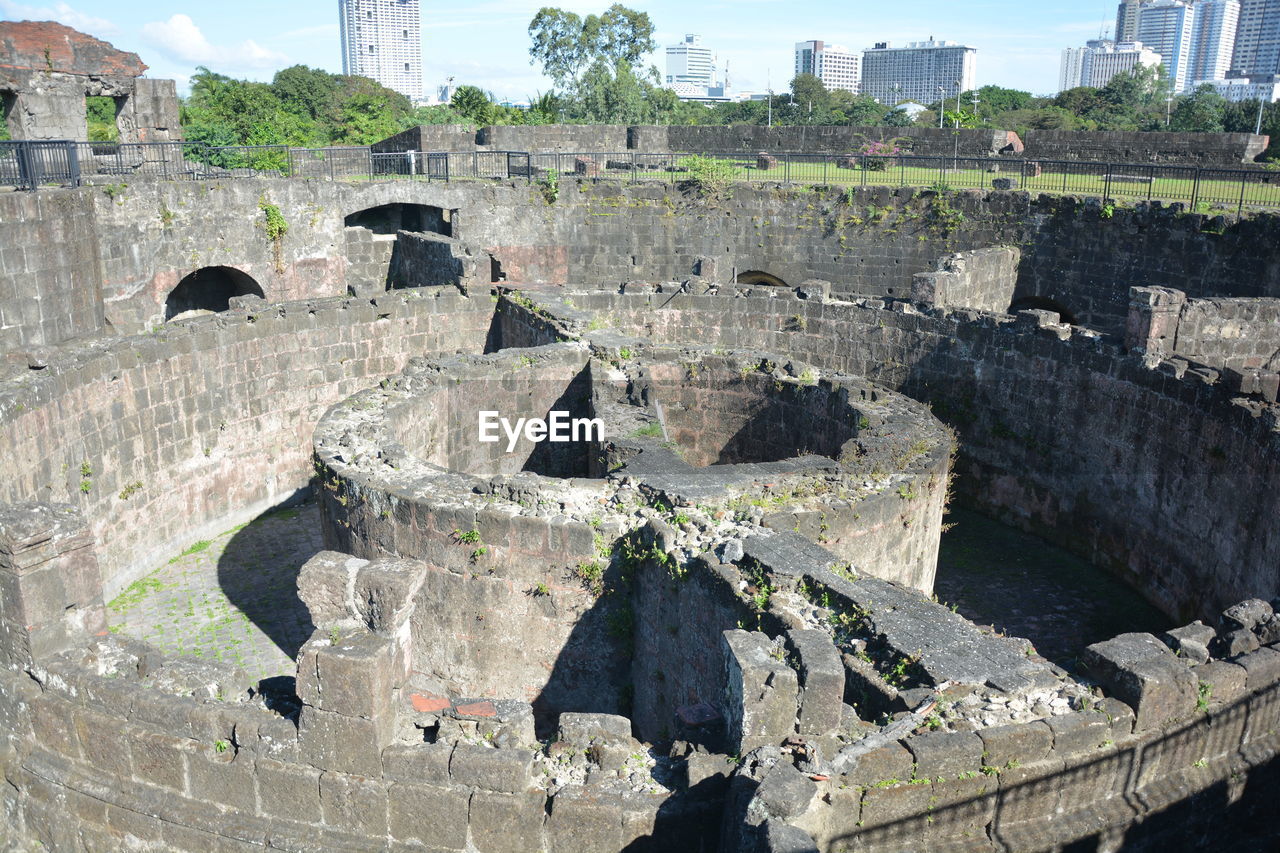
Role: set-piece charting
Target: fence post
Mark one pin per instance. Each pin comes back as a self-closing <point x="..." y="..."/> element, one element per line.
<point x="1240" y="206"/>
<point x="1195" y="190"/>
<point x="73" y="164"/>
<point x="1106" y="184"/>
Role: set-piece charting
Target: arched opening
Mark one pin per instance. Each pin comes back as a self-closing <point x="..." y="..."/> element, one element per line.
<point x="390" y="218"/>
<point x="1042" y="303"/>
<point x="758" y="277"/>
<point x="209" y="289"/>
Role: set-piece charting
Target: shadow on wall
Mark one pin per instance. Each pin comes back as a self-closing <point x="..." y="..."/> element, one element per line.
<point x="390" y="218"/>
<point x="209" y="289"/>
<point x="758" y="277"/>
<point x="1159" y="809"/>
<point x="1042" y="303"/>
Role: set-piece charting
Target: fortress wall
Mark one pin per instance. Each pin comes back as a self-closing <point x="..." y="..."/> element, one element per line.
<point x="1055" y="429"/>
<point x="1233" y="333"/>
<point x="134" y="247"/>
<point x="984" y="279"/>
<point x="1212" y="150"/>
<point x="167" y="438"/>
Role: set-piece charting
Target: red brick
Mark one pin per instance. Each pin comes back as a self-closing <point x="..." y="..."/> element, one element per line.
<point x="477" y="709"/>
<point x="428" y="703"/>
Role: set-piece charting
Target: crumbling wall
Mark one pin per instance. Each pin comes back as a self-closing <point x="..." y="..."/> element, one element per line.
<point x="984" y="279"/>
<point x="212" y="415"/>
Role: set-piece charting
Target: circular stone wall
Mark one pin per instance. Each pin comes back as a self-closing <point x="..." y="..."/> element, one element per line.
<point x="529" y="547"/>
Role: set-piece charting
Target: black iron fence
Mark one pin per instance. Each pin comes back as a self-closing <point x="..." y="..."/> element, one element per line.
<point x="32" y="164"/>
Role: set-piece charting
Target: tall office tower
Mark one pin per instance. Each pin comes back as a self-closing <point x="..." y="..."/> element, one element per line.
<point x="1105" y="59"/>
<point x="1257" y="50"/>
<point x="922" y="71"/>
<point x="690" y="62"/>
<point x="1213" y="40"/>
<point x="1071" y="74"/>
<point x="835" y="66"/>
<point x="1166" y="27"/>
<point x="381" y="39"/>
<point x="1127" y="20"/>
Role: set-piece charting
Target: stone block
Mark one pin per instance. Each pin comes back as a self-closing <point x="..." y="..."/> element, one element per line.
<point x="384" y="593"/>
<point x="503" y="770"/>
<point x="1262" y="668"/>
<point x="1246" y="615"/>
<point x="584" y="729"/>
<point x="330" y="741"/>
<point x="161" y="759"/>
<point x="1080" y="731"/>
<point x="429" y="814"/>
<point x="1226" y="680"/>
<point x="777" y="836"/>
<point x="821" y="681"/>
<point x="323" y="584"/>
<point x="1119" y="717"/>
<point x="418" y="762"/>
<point x="354" y="803"/>
<point x="762" y="692"/>
<point x="584" y="820"/>
<point x="892" y="761"/>
<point x="1019" y="743"/>
<point x="1239" y="641"/>
<point x="287" y="790"/>
<point x="353" y="677"/>
<point x="224" y="778"/>
<point x="103" y="742"/>
<point x="1004" y="183"/>
<point x="946" y="754"/>
<point x="784" y="793"/>
<point x="507" y="823"/>
<point x="1191" y="641"/>
<point x="1143" y="673"/>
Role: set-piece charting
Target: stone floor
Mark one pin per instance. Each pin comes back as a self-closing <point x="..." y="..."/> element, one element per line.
<point x="1025" y="587"/>
<point x="231" y="598"/>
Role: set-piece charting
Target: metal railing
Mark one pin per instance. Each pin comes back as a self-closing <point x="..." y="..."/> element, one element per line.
<point x="32" y="164"/>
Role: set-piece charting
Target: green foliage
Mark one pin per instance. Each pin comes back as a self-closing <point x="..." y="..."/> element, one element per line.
<point x="273" y="221"/>
<point x="651" y="430"/>
<point x="473" y="104"/>
<point x="130" y="490"/>
<point x="708" y="176"/>
<point x="469" y="537"/>
<point x="221" y="746"/>
<point x="549" y="186"/>
<point x="100" y="113"/>
<point x="565" y="44"/>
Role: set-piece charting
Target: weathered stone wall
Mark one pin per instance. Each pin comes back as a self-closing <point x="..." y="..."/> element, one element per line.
<point x="1021" y="396"/>
<point x="985" y="279"/>
<point x="50" y="272"/>
<point x="920" y="141"/>
<point x="871" y="241"/>
<point x="565" y="138"/>
<point x="211" y="415"/>
<point x="1221" y="150"/>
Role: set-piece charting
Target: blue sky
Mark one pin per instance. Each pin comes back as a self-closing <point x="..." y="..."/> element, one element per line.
<point x="486" y="43"/>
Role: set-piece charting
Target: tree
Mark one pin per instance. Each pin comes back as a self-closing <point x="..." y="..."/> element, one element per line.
<point x="897" y="118"/>
<point x="305" y="91"/>
<point x="809" y="93"/>
<point x="566" y="45"/>
<point x="1200" y="112"/>
<point x="364" y="111"/>
<point x="473" y="104"/>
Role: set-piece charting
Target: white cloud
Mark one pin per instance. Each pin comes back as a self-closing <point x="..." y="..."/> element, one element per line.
<point x="60" y="12"/>
<point x="180" y="38"/>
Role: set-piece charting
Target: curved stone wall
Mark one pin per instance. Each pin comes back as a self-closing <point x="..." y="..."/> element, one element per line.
<point x="1157" y="472"/>
<point x="165" y="439"/>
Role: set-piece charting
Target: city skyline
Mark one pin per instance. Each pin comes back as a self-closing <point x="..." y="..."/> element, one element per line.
<point x="175" y="38"/>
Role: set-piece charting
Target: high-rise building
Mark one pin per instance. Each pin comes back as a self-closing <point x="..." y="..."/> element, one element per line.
<point x="382" y="40"/>
<point x="1166" y="26"/>
<point x="922" y="71"/>
<point x="1127" y="20"/>
<point x="1072" y="72"/>
<point x="690" y="62"/>
<point x="1106" y="59"/>
<point x="1213" y="40"/>
<point x="1261" y="87"/>
<point x="1257" y="49"/>
<point x="835" y="66"/>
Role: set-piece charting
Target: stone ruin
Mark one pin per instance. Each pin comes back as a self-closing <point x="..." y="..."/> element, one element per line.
<point x="708" y="625"/>
<point x="48" y="69"/>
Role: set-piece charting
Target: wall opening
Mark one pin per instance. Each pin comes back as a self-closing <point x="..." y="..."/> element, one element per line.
<point x="390" y="218"/>
<point x="209" y="289"/>
<point x="1042" y="303"/>
<point x="758" y="277"/>
<point x="100" y="114"/>
<point x="8" y="100"/>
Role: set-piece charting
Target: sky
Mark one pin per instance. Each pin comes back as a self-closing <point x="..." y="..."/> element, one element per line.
<point x="486" y="43"/>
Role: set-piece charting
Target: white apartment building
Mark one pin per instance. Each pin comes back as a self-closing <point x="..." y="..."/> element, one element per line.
<point x="1246" y="89"/>
<point x="691" y="62"/>
<point x="922" y="71"/>
<point x="1127" y="21"/>
<point x="1071" y="74"/>
<point x="382" y="40"/>
<point x="1257" y="49"/>
<point x="1100" y="60"/>
<point x="835" y="66"/>
<point x="1166" y="26"/>
<point x="1213" y="39"/>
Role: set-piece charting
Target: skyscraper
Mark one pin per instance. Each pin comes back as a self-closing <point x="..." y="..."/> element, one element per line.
<point x="1071" y="74"/>
<point x="1166" y="27"/>
<point x="922" y="71"/>
<point x="1257" y="50"/>
<point x="381" y="39"/>
<point x="1213" y="39"/>
<point x="1127" y="20"/>
<point x="835" y="66"/>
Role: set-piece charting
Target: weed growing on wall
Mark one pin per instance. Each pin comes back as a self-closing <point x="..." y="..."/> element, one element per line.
<point x="276" y="227"/>
<point x="708" y="177"/>
<point x="549" y="186"/>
